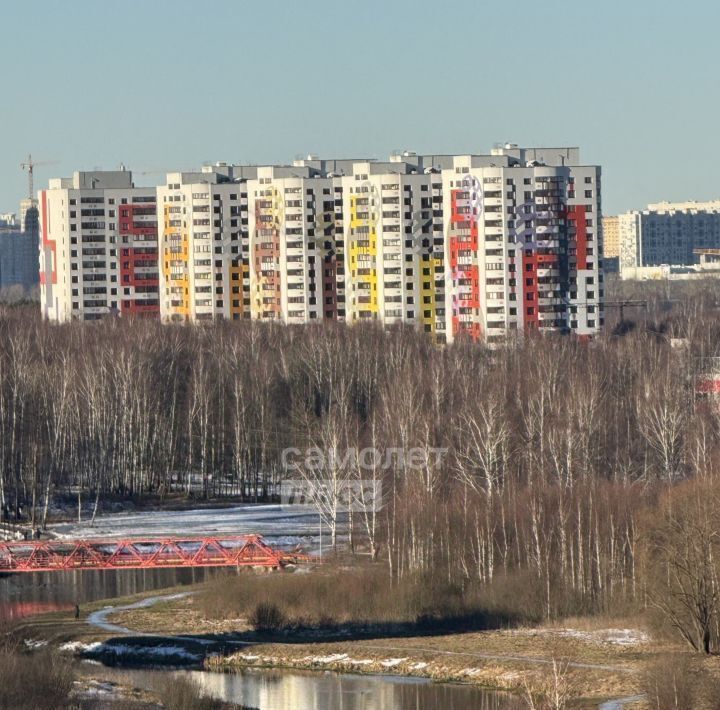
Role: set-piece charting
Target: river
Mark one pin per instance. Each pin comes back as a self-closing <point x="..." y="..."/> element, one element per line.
<point x="26" y="594"/>
<point x="297" y="690"/>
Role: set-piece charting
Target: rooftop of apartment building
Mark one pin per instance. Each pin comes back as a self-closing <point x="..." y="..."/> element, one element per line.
<point x="406" y="162"/>
<point x="94" y="180"/>
<point x="687" y="207"/>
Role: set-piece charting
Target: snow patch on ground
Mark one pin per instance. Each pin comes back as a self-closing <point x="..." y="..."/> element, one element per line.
<point x="342" y="658"/>
<point x="97" y="689"/>
<point x="79" y="646"/>
<point x="335" y="659"/>
<point x="32" y="643"/>
<point x="392" y="662"/>
<point x="160" y="652"/>
<point x="248" y="657"/>
<point x="127" y="651"/>
<point x="626" y="637"/>
<point x="510" y="677"/>
<point x="613" y="637"/>
<point x="470" y="672"/>
<point x="332" y="658"/>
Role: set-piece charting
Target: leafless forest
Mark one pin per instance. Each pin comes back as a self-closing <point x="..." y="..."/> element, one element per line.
<point x="557" y="451"/>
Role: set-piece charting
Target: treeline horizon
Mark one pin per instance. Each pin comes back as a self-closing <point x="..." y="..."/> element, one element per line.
<point x="555" y="448"/>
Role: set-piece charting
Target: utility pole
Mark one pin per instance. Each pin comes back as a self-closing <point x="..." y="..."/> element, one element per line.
<point x="625" y="304"/>
<point x="320" y="528"/>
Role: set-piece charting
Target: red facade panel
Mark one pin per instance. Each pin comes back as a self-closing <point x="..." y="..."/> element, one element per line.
<point x="133" y="258"/>
<point x="463" y="267"/>
<point x="47" y="244"/>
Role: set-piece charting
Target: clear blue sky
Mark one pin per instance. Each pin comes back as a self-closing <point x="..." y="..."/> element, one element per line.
<point x="169" y="84"/>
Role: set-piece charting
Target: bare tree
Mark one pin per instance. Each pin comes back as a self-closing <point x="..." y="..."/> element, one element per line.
<point x="683" y="553"/>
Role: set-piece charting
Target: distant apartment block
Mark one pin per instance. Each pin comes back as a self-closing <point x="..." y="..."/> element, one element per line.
<point x="29" y="217"/>
<point x="98" y="247"/>
<point x="611" y="244"/>
<point x="8" y="221"/>
<point x="18" y="261"/>
<point x="611" y="237"/>
<point x="19" y="249"/>
<point x="471" y="246"/>
<point x="668" y="233"/>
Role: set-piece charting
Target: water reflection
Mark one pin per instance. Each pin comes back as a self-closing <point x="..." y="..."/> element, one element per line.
<point x="295" y="690"/>
<point x="26" y="593"/>
<point x="20" y="610"/>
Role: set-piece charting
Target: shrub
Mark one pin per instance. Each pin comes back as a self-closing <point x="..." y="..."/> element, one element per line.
<point x="670" y="683"/>
<point x="267" y="617"/>
<point x="337" y="595"/>
<point x="39" y="681"/>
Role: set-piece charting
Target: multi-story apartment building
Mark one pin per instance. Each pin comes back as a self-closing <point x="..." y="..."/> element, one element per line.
<point x="523" y="244"/>
<point x="204" y="246"/>
<point x="345" y="240"/>
<point x="668" y="233"/>
<point x="393" y="236"/>
<point x="297" y="272"/>
<point x="457" y="245"/>
<point x="98" y="247"/>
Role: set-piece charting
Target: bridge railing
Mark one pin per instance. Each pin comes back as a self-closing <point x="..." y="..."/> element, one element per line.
<point x="144" y="553"/>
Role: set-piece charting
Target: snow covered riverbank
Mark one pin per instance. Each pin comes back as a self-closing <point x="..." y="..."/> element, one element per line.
<point x="279" y="525"/>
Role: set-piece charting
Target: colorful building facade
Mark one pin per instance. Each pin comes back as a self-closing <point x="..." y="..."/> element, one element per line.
<point x="459" y="246"/>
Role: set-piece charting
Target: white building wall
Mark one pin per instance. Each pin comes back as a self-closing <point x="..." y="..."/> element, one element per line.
<point x="80" y="250"/>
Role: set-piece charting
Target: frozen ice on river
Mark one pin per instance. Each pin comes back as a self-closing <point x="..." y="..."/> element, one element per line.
<point x="278" y="525"/>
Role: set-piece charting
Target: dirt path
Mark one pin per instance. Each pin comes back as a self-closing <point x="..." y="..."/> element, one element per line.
<point x="98" y="618"/>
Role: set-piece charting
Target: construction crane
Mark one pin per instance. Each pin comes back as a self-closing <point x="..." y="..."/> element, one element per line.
<point x="30" y="166"/>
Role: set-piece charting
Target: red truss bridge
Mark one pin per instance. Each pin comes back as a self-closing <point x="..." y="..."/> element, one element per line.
<point x="225" y="551"/>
